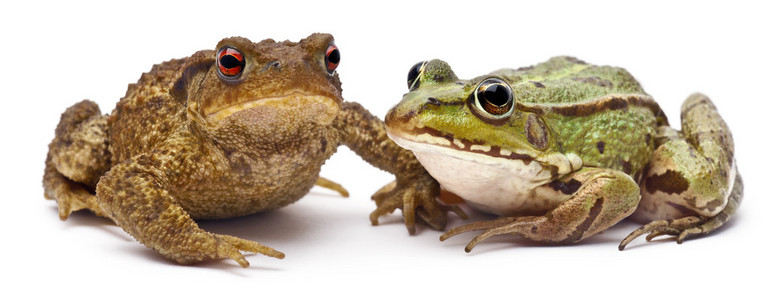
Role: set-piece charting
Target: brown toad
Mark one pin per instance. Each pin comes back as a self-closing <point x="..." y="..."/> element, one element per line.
<point x="221" y="134"/>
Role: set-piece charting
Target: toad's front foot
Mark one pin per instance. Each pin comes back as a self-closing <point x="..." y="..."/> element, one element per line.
<point x="417" y="198"/>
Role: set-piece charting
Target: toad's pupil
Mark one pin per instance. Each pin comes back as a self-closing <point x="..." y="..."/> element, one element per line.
<point x="496" y="95"/>
<point x="334" y="57"/>
<point x="230" y="61"/>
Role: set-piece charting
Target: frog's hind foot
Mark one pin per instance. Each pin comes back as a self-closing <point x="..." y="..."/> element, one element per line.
<point x="689" y="227"/>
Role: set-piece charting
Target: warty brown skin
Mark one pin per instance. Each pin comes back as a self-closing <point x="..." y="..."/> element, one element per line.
<point x="187" y="142"/>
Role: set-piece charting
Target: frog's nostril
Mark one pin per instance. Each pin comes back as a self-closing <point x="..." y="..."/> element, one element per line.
<point x="434" y="101"/>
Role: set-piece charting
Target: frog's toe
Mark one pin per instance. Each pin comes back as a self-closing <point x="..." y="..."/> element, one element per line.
<point x="682" y="229"/>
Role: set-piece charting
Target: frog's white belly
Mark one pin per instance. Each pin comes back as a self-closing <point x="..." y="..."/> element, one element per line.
<point x="496" y="185"/>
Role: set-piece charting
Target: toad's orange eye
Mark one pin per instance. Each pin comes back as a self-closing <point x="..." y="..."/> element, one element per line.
<point x="332" y="58"/>
<point x="230" y="62"/>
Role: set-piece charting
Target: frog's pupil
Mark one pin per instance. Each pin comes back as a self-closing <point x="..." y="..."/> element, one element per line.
<point x="413" y="75"/>
<point x="230" y="61"/>
<point x="496" y="95"/>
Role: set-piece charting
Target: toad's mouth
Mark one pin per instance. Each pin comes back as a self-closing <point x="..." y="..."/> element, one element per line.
<point x="324" y="108"/>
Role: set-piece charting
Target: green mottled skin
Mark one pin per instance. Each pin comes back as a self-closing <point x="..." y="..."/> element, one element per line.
<point x="600" y="141"/>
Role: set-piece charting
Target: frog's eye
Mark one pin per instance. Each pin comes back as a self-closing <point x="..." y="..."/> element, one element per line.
<point x="230" y="61"/>
<point x="494" y="98"/>
<point x="332" y="58"/>
<point x="415" y="74"/>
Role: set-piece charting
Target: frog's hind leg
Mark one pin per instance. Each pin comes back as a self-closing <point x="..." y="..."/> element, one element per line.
<point x="77" y="157"/>
<point x="691" y="186"/>
<point x="594" y="199"/>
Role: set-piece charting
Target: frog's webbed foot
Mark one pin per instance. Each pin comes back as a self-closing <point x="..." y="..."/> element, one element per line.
<point x="682" y="228"/>
<point x="322" y="182"/>
<point x="689" y="227"/>
<point x="417" y="198"/>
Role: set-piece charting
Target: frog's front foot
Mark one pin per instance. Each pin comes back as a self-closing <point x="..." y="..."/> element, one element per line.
<point x="417" y="198"/>
<point x="503" y="225"/>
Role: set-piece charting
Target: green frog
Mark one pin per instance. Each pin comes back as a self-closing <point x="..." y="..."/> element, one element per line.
<point x="563" y="150"/>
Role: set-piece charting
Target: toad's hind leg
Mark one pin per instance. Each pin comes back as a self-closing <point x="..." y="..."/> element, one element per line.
<point x="691" y="186"/>
<point x="77" y="157"/>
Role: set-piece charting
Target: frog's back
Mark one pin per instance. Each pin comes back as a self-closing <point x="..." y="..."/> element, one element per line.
<point x="147" y="114"/>
<point x="567" y="80"/>
<point x="600" y="113"/>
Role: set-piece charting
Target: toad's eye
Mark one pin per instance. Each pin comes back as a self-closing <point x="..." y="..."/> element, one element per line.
<point x="230" y="62"/>
<point x="415" y="74"/>
<point x="494" y="98"/>
<point x="332" y="58"/>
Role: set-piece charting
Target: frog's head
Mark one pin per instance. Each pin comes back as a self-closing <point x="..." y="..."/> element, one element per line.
<point x="481" y="116"/>
<point x="263" y="88"/>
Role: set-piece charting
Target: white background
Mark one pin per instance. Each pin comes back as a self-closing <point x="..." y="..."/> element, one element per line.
<point x="57" y="53"/>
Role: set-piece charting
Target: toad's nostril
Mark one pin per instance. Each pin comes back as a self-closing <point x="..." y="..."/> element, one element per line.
<point x="271" y="65"/>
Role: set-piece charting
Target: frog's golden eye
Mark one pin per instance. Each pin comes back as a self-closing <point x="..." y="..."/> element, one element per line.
<point x="415" y="74"/>
<point x="230" y="61"/>
<point x="332" y="58"/>
<point x="494" y="98"/>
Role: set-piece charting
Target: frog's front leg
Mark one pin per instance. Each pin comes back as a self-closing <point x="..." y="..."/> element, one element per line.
<point x="414" y="190"/>
<point x="135" y="196"/>
<point x="594" y="199"/>
<point x="691" y="186"/>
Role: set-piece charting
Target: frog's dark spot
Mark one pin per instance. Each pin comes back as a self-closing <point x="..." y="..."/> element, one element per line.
<point x="536" y="132"/>
<point x="647" y="138"/>
<point x="438" y="78"/>
<point x="578" y="233"/>
<point x="671" y="182"/>
<point x="626" y="167"/>
<point x="600" y="147"/>
<point x="537" y="84"/>
<point x="567" y="188"/>
<point x="594" y="80"/>
<point x="323" y="145"/>
<point x="534" y="229"/>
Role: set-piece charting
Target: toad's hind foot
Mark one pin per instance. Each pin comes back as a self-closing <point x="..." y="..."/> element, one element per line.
<point x="322" y="182"/>
<point x="217" y="246"/>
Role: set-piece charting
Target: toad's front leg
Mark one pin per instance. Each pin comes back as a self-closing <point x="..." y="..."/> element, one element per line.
<point x="595" y="199"/>
<point x="414" y="190"/>
<point x="133" y="194"/>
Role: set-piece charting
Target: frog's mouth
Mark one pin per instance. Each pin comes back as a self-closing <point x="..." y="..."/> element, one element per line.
<point x="322" y="109"/>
